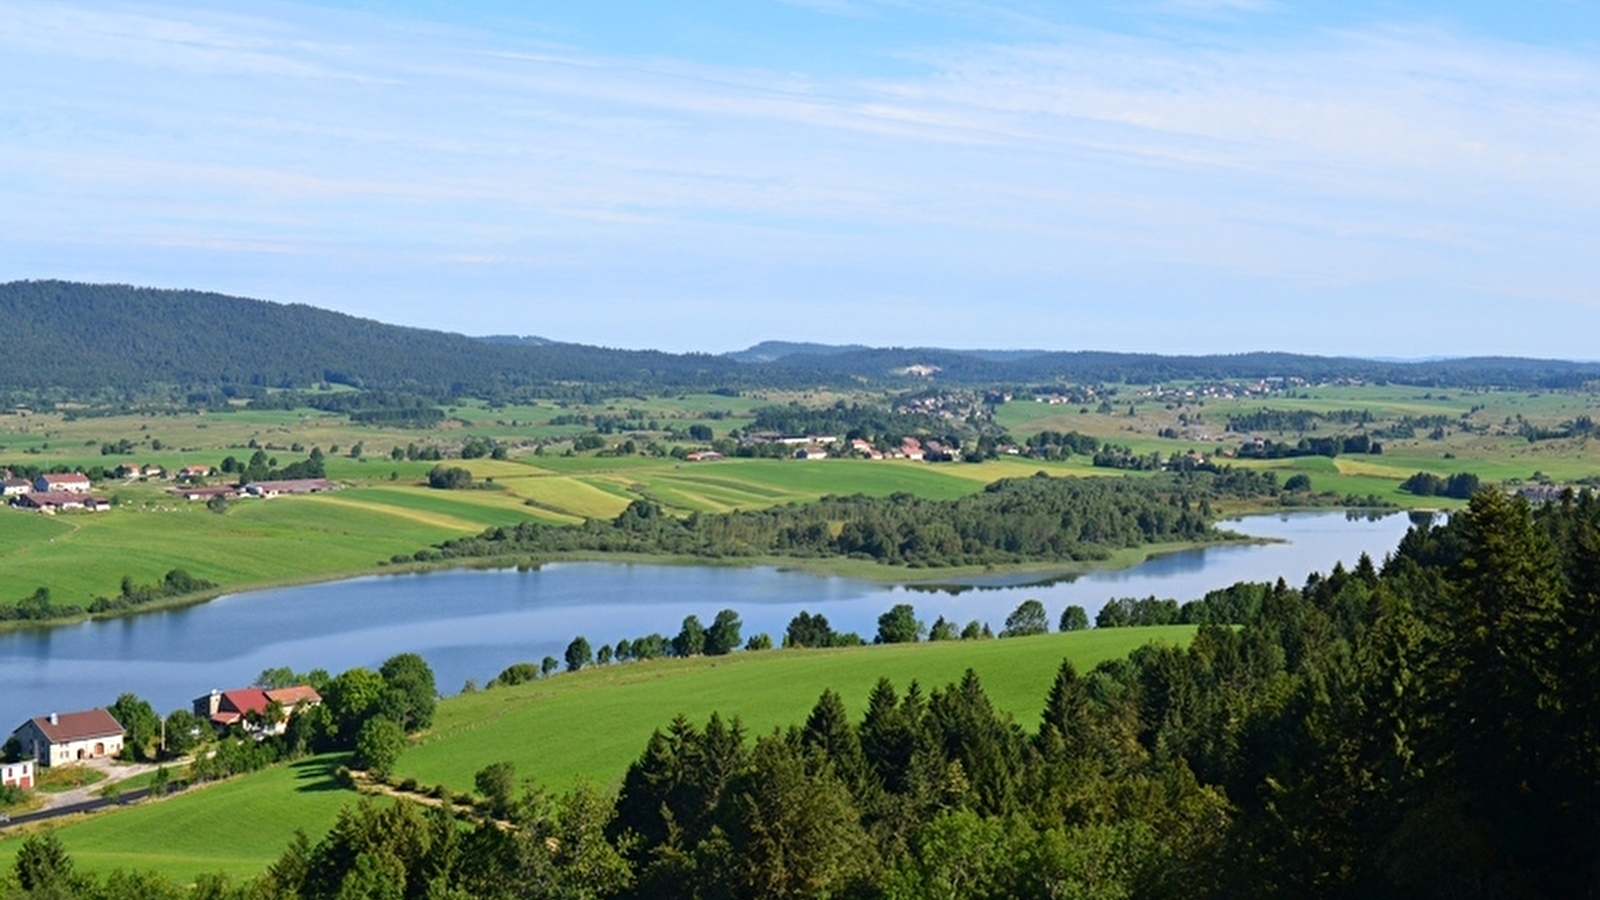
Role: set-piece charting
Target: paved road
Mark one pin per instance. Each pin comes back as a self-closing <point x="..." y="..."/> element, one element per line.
<point x="84" y="799"/>
<point x="85" y="806"/>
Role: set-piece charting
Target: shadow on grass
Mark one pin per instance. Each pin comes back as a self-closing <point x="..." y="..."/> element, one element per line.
<point x="316" y="774"/>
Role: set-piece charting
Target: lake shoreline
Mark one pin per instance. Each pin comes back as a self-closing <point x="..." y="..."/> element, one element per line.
<point x="840" y="567"/>
<point x="872" y="572"/>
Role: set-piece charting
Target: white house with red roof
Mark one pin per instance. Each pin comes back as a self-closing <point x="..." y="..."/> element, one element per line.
<point x="63" y="482"/>
<point x="70" y="737"/>
<point x="246" y="706"/>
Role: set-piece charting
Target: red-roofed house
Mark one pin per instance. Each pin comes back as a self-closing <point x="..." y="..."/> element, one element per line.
<point x="68" y="737"/>
<point x="69" y="482"/>
<point x="226" y="708"/>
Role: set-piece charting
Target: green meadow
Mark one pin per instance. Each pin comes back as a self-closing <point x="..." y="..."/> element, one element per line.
<point x="592" y="724"/>
<point x="239" y="826"/>
<point x="589" y="724"/>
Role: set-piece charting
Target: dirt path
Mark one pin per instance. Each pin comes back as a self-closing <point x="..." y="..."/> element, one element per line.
<point x="115" y="773"/>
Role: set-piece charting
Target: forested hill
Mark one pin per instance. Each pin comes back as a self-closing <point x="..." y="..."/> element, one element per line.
<point x="87" y="338"/>
<point x="1088" y="366"/>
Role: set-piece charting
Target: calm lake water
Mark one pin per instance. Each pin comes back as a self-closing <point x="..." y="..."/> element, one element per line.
<point x="471" y="624"/>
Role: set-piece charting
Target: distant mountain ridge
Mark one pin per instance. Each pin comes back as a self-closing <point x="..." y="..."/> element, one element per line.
<point x="773" y="351"/>
<point x="118" y="341"/>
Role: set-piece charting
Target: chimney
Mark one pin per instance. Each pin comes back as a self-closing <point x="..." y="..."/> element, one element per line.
<point x="55" y="719"/>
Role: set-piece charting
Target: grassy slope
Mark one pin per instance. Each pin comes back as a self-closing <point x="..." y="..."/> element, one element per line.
<point x="238" y="826"/>
<point x="593" y="723"/>
<point x="590" y="724"/>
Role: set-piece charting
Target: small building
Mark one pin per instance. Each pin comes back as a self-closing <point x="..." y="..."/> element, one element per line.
<point x="865" y="449"/>
<point x="703" y="456"/>
<point x="15" y="487"/>
<point x="265" y="489"/>
<point x="63" y="482"/>
<point x="204" y="493"/>
<point x="188" y="472"/>
<point x="140" y="470"/>
<point x="17" y="774"/>
<point x="70" y="737"/>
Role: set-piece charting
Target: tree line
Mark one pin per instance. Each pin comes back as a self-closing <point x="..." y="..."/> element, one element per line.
<point x="1013" y="520"/>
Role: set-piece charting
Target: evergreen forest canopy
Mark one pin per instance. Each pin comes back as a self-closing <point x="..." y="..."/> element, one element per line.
<point x="1038" y="519"/>
<point x="1427" y="730"/>
<point x="119" y="343"/>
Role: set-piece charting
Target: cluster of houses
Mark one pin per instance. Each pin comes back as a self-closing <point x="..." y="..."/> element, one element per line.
<point x="63" y="738"/>
<point x="53" y="492"/>
<point x="62" y="491"/>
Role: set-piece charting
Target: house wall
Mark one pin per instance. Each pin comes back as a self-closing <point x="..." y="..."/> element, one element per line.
<point x="45" y="753"/>
<point x="17" y="774"/>
<point x="46" y="483"/>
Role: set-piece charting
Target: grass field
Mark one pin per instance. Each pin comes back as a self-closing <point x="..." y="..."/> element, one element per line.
<point x="589" y="724"/>
<point x="592" y="724"/>
<point x="238" y="826"/>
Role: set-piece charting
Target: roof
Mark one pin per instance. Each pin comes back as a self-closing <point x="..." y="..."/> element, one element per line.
<point x="296" y="486"/>
<point x="245" y="700"/>
<point x="78" y="726"/>
<point x="294" y="696"/>
<point x="66" y="477"/>
<point x="55" y="498"/>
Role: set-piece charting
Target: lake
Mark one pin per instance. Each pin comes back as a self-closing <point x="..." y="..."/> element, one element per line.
<point x="470" y="624"/>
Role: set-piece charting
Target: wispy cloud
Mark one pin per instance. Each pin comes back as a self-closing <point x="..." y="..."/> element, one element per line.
<point x="1394" y="156"/>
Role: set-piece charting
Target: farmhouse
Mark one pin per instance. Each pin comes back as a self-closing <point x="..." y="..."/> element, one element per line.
<point x="68" y="737"/>
<point x="19" y="774"/>
<point x="246" y="706"/>
<point x="265" y="489"/>
<point x="1542" y="493"/>
<point x="13" y="487"/>
<point x="69" y="482"/>
<point x="139" y="470"/>
<point x="51" y="502"/>
<point x="194" y="472"/>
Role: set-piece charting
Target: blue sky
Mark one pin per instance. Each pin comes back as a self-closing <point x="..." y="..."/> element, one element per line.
<point x="1368" y="178"/>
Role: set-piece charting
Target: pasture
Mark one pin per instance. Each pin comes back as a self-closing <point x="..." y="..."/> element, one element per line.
<point x="589" y="724"/>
